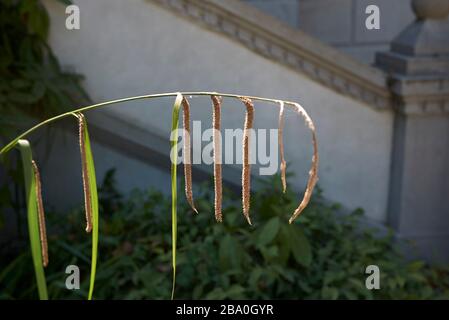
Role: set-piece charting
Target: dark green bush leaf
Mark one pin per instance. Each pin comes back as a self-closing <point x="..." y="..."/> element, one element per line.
<point x="300" y="246"/>
<point x="268" y="231"/>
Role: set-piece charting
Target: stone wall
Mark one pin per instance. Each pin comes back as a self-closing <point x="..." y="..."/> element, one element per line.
<point x="136" y="47"/>
<point x="342" y="23"/>
<point x="285" y="10"/>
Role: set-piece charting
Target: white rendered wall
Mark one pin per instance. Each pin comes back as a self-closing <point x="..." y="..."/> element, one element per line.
<point x="134" y="47"/>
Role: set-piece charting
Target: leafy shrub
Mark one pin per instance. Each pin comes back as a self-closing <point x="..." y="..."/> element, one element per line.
<point x="321" y="256"/>
<point x="33" y="84"/>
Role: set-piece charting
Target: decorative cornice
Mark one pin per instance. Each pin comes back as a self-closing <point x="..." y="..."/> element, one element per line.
<point x="423" y="106"/>
<point x="272" y="39"/>
<point x="420" y="95"/>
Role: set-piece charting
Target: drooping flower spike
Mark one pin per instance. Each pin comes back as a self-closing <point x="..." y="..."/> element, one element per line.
<point x="187" y="153"/>
<point x="281" y="145"/>
<point x="313" y="173"/>
<point x="41" y="214"/>
<point x="246" y="169"/>
<point x="85" y="174"/>
<point x="216" y="124"/>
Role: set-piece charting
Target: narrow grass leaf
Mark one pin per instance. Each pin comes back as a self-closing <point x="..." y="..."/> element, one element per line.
<point x="94" y="207"/>
<point x="33" y="222"/>
<point x="174" y="156"/>
<point x="90" y="195"/>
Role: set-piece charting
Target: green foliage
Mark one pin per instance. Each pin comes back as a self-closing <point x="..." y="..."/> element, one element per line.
<point x="32" y="83"/>
<point x="322" y="256"/>
<point x="33" y="86"/>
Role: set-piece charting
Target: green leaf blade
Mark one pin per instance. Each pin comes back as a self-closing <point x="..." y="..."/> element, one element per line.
<point x="269" y="231"/>
<point x="301" y="248"/>
<point x="32" y="217"/>
<point x="174" y="147"/>
<point x="94" y="203"/>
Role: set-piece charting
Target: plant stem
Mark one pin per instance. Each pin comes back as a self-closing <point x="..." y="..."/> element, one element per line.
<point x="11" y="145"/>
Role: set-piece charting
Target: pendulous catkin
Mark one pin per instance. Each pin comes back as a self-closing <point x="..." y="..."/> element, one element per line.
<point x="313" y="173"/>
<point x="187" y="153"/>
<point x="216" y="124"/>
<point x="246" y="169"/>
<point x="281" y="145"/>
<point x="41" y="214"/>
<point x="86" y="185"/>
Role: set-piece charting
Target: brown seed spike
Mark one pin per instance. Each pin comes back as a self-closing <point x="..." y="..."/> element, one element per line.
<point x="41" y="215"/>
<point x="313" y="173"/>
<point x="187" y="155"/>
<point x="216" y="123"/>
<point x="281" y="145"/>
<point x="86" y="185"/>
<point x="246" y="170"/>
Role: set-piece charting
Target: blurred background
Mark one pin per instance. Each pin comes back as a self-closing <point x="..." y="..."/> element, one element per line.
<point x="373" y="75"/>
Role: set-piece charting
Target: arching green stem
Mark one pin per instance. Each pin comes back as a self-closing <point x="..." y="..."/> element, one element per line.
<point x="11" y="144"/>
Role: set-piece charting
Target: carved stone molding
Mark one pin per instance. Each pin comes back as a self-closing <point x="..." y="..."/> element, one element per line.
<point x="420" y="94"/>
<point x="424" y="105"/>
<point x="272" y="39"/>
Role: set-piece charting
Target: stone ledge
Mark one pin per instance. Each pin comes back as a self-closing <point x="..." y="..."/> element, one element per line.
<point x="412" y="65"/>
<point x="276" y="41"/>
<point x="420" y="95"/>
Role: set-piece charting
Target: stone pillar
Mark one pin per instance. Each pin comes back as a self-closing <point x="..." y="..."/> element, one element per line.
<point x="418" y="66"/>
